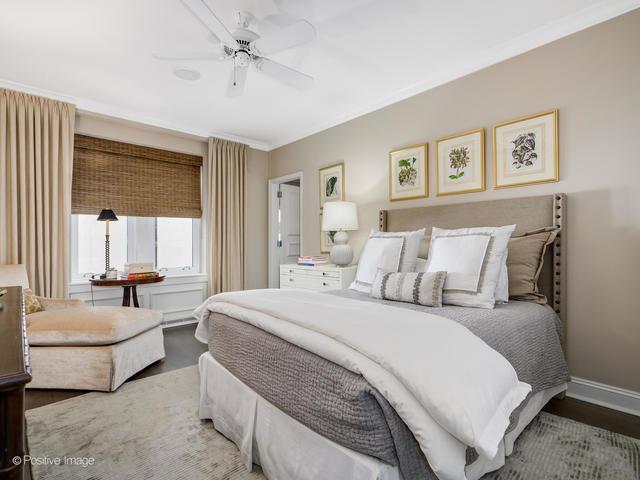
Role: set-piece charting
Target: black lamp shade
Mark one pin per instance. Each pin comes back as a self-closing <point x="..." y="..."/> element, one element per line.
<point x="107" y="214"/>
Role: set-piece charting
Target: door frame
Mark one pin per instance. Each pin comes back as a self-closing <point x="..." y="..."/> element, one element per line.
<point x="272" y="236"/>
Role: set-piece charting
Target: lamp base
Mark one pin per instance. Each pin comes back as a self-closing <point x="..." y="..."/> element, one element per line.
<point x="106" y="253"/>
<point x="341" y="253"/>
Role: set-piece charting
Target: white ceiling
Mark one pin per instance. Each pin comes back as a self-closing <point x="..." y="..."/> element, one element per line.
<point x="368" y="54"/>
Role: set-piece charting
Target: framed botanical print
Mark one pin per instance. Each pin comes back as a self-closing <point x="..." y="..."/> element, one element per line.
<point x="408" y="173"/>
<point x="331" y="183"/>
<point x="525" y="150"/>
<point x="326" y="239"/>
<point x="460" y="163"/>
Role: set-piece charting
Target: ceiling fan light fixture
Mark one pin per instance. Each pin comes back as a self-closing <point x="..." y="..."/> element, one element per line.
<point x="243" y="59"/>
<point x="188" y="74"/>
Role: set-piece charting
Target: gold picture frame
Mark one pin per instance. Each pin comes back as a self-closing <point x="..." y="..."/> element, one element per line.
<point x="465" y="171"/>
<point x="326" y="239"/>
<point x="325" y="175"/>
<point x="535" y="149"/>
<point x="412" y="178"/>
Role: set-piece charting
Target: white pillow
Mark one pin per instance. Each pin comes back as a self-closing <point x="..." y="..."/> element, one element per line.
<point x="458" y="286"/>
<point x="502" y="289"/>
<point x="411" y="246"/>
<point x="461" y="256"/>
<point x="378" y="253"/>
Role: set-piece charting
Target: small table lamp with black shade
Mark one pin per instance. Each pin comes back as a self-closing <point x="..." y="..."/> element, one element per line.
<point x="340" y="217"/>
<point x="106" y="215"/>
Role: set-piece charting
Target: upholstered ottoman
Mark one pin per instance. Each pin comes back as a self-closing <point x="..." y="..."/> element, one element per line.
<point x="92" y="348"/>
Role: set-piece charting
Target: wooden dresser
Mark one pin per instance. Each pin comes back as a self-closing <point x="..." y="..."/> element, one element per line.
<point x="14" y="375"/>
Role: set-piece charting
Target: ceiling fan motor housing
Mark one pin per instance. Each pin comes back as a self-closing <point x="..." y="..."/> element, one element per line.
<point x="243" y="56"/>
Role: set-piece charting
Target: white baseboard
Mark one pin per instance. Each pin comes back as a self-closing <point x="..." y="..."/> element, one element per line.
<point x="616" y="398"/>
<point x="177" y="323"/>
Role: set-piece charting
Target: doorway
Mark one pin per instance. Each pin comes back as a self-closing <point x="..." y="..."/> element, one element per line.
<point x="285" y="223"/>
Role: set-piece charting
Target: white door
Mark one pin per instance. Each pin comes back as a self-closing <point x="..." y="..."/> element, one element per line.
<point x="288" y="243"/>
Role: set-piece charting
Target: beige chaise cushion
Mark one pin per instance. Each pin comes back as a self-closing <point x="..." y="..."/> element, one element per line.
<point x="89" y="326"/>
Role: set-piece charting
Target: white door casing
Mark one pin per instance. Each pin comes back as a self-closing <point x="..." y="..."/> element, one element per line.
<point x="289" y="224"/>
<point x="285" y="224"/>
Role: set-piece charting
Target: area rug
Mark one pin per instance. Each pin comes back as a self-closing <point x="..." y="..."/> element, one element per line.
<point x="149" y="429"/>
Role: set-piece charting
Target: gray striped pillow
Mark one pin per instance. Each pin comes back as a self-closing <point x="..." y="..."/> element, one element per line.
<point x="423" y="288"/>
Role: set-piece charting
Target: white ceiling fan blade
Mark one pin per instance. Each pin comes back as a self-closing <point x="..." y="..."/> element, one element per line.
<point x="295" y="8"/>
<point x="190" y="55"/>
<point x="295" y="34"/>
<point x="204" y="13"/>
<point x="237" y="81"/>
<point x="286" y="75"/>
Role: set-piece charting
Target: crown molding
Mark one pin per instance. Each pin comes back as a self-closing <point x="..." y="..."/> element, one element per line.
<point x="100" y="109"/>
<point x="598" y="13"/>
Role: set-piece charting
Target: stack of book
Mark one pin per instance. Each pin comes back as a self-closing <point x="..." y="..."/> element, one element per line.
<point x="140" y="276"/>
<point x="312" y="260"/>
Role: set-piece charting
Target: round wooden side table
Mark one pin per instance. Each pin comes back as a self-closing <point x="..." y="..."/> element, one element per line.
<point x="129" y="286"/>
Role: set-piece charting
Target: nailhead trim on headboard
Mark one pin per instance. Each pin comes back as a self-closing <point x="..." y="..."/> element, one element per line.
<point x="382" y="221"/>
<point x="559" y="207"/>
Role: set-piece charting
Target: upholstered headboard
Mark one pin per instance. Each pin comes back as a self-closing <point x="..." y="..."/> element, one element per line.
<point x="530" y="213"/>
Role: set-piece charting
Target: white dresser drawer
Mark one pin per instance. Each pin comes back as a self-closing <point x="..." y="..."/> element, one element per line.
<point x="309" y="272"/>
<point x="309" y="282"/>
<point x="327" y="277"/>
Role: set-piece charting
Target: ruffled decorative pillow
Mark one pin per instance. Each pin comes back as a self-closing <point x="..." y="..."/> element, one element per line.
<point x="31" y="302"/>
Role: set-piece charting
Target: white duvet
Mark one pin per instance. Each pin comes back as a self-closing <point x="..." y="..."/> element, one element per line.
<point x="447" y="385"/>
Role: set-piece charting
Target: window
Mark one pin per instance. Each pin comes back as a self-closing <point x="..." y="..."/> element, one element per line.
<point x="171" y="244"/>
<point x="174" y="242"/>
<point x="90" y="242"/>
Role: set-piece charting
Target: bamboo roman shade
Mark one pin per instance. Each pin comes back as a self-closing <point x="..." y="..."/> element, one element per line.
<point x="133" y="180"/>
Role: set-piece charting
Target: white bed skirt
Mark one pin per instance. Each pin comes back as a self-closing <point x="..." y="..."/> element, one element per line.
<point x="282" y="446"/>
<point x="287" y="450"/>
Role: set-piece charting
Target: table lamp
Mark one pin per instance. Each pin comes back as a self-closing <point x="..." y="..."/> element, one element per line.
<point x="340" y="217"/>
<point x="107" y="216"/>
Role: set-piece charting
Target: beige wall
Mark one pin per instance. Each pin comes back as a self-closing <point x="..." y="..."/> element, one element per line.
<point x="257" y="174"/>
<point x="593" y="78"/>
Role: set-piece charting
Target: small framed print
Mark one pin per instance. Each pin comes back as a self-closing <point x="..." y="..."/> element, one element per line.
<point x="331" y="183"/>
<point x="525" y="150"/>
<point x="460" y="163"/>
<point x="326" y="239"/>
<point x="408" y="173"/>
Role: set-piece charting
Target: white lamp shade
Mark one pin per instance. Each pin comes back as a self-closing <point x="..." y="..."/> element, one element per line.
<point x="339" y="216"/>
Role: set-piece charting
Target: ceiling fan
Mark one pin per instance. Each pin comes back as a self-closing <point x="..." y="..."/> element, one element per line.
<point x="246" y="47"/>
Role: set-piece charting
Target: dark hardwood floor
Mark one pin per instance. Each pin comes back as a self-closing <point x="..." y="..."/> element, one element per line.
<point x="613" y="420"/>
<point x="183" y="350"/>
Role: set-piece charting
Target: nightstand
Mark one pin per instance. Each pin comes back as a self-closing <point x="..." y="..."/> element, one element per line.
<point x="325" y="277"/>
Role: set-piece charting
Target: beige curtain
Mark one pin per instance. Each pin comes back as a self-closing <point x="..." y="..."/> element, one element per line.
<point x="36" y="155"/>
<point x="225" y="167"/>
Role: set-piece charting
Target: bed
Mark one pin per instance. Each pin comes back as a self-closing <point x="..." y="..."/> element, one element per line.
<point x="324" y="385"/>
